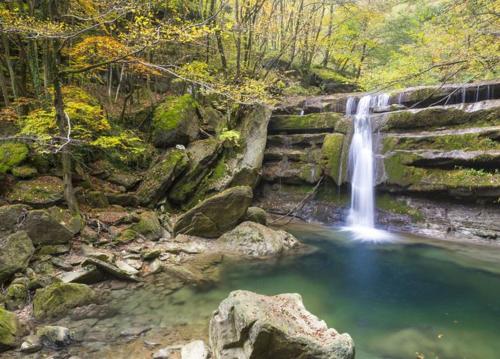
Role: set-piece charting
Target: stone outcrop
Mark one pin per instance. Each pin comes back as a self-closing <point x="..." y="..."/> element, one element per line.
<point x="248" y="325"/>
<point x="217" y="214"/>
<point x="255" y="240"/>
<point x="41" y="191"/>
<point x="16" y="251"/>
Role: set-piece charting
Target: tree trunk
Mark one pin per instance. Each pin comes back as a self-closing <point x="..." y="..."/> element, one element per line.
<point x="61" y="119"/>
<point x="10" y="67"/>
<point x="3" y="85"/>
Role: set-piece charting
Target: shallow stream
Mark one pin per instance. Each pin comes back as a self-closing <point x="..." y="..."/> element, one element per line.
<point x="410" y="297"/>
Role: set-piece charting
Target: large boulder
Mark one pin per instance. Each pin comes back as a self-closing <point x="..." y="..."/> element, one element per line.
<point x="10" y="217"/>
<point x="8" y="329"/>
<point x="41" y="191"/>
<point x="176" y="121"/>
<point x="160" y="177"/>
<point x="149" y="226"/>
<point x="59" y="298"/>
<point x="248" y="325"/>
<point x="202" y="155"/>
<point x="45" y="229"/>
<point x="216" y="214"/>
<point x="15" y="253"/>
<point x="255" y="240"/>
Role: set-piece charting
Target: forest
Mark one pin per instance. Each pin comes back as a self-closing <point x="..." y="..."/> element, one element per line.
<point x="155" y="153"/>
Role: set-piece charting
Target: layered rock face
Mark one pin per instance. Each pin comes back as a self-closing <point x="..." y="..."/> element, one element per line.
<point x="437" y="147"/>
<point x="248" y="325"/>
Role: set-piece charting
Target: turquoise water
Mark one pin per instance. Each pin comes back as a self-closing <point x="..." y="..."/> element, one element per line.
<point x="410" y="298"/>
<point x="402" y="299"/>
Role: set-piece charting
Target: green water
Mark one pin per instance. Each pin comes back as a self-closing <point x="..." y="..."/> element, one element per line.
<point x="397" y="300"/>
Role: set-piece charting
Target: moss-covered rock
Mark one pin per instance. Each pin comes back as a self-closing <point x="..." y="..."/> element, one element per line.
<point x="11" y="155"/>
<point x="59" y="298"/>
<point x="160" y="177"/>
<point x="433" y="117"/>
<point x="16" y="251"/>
<point x="43" y="229"/>
<point x="257" y="215"/>
<point x="149" y="226"/>
<point x="17" y="294"/>
<point x="332" y="157"/>
<point x="95" y="199"/>
<point x="175" y="121"/>
<point x="394" y="205"/>
<point x="216" y="214"/>
<point x="10" y="217"/>
<point x="45" y="190"/>
<point x="308" y="123"/>
<point x="24" y="172"/>
<point x="9" y="328"/>
<point x="127" y="236"/>
<point x="74" y="223"/>
<point x="292" y="172"/>
<point x="203" y="155"/>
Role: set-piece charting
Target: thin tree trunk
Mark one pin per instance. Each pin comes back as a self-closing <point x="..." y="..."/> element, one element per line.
<point x="10" y="67"/>
<point x="3" y="85"/>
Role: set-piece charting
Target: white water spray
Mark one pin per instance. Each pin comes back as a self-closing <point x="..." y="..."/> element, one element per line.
<point x="362" y="169"/>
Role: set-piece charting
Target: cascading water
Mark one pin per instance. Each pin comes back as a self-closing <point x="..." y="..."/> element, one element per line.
<point x="362" y="168"/>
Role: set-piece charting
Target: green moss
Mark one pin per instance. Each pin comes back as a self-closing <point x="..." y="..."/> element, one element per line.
<point x="59" y="298"/>
<point x="298" y="90"/>
<point x="326" y="74"/>
<point x="398" y="172"/>
<point x="40" y="191"/>
<point x="24" y="172"/>
<point x="8" y="328"/>
<point x="315" y="121"/>
<point x="12" y="154"/>
<point x="168" y="115"/>
<point x="149" y="226"/>
<point x="332" y="155"/>
<point x="310" y="172"/>
<point x="127" y="236"/>
<point x="387" y="203"/>
<point x="434" y="117"/>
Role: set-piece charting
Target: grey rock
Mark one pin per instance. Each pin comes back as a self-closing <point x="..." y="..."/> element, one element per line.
<point x="248" y="325"/>
<point x="55" y="337"/>
<point x="31" y="344"/>
<point x="43" y="229"/>
<point x="111" y="269"/>
<point x="195" y="350"/>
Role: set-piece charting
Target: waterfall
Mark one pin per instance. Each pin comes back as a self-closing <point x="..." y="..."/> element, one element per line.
<point x="362" y="169"/>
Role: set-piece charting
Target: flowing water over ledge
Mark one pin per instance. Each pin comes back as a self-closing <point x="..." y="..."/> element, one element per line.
<point x="396" y="299"/>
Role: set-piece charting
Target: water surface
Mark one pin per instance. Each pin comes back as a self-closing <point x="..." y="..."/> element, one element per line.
<point x="409" y="298"/>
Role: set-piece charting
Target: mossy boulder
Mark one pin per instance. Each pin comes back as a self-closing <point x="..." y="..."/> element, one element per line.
<point x="257" y="215"/>
<point x="17" y="294"/>
<point x="11" y="155"/>
<point x="330" y="81"/>
<point x="202" y="155"/>
<point x="216" y="214"/>
<point x="11" y="216"/>
<point x="332" y="157"/>
<point x="95" y="199"/>
<point x="127" y="236"/>
<point x="176" y="121"/>
<point x="45" y="190"/>
<point x="315" y="122"/>
<point x="45" y="229"/>
<point x="292" y="172"/>
<point x="9" y="328"/>
<point x="160" y="177"/>
<point x="16" y="251"/>
<point x="59" y="298"/>
<point x="24" y="172"/>
<point x="74" y="223"/>
<point x="149" y="226"/>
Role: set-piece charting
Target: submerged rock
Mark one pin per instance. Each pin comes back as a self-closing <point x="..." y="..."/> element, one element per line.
<point x="54" y="336"/>
<point x="112" y="269"/>
<point x="8" y="329"/>
<point x="59" y="298"/>
<point x="255" y="240"/>
<point x="248" y="325"/>
<point x="16" y="251"/>
<point x="217" y="214"/>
